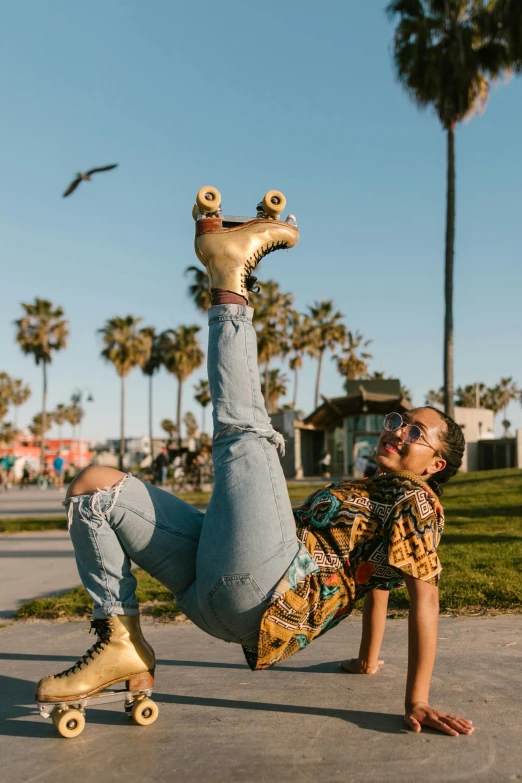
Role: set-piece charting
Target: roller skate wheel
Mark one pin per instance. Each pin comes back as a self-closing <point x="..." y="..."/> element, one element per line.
<point x="145" y="712"/>
<point x="208" y="199"/>
<point x="69" y="723"/>
<point x="195" y="212"/>
<point x="273" y="203"/>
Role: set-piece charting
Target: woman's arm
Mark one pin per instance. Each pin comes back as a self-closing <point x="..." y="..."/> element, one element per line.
<point x="422" y="644"/>
<point x="373" y="624"/>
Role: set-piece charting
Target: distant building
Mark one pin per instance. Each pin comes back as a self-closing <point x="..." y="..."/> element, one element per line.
<point x="348" y="428"/>
<point x="26" y="448"/>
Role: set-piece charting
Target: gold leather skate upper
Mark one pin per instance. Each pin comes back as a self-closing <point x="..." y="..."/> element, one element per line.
<point x="231" y="254"/>
<point x="120" y="653"/>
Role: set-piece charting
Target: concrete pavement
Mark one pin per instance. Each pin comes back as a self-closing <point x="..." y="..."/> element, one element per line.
<point x="303" y="721"/>
<point x="34" y="565"/>
<point x="31" y="501"/>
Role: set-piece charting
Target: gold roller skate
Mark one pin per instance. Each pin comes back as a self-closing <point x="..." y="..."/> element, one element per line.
<point x="121" y="654"/>
<point x="230" y="247"/>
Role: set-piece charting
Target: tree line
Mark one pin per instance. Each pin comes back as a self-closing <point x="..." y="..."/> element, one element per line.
<point x="477" y="395"/>
<point x="283" y="333"/>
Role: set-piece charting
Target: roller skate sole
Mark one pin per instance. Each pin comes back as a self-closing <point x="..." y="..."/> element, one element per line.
<point x="208" y="207"/>
<point x="69" y="718"/>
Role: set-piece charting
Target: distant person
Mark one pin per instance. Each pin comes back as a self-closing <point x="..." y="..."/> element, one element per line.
<point x="26" y="476"/>
<point x="325" y="462"/>
<point x="161" y="465"/>
<point x="58" y="465"/>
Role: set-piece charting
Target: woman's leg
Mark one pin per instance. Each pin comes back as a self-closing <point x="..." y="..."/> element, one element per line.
<point x="115" y="519"/>
<point x="248" y="538"/>
<point x="227" y="563"/>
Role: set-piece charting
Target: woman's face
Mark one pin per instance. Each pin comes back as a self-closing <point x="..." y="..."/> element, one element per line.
<point x="393" y="453"/>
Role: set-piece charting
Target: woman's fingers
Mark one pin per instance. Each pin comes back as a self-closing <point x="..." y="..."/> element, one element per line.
<point x="452" y="725"/>
<point x="412" y="723"/>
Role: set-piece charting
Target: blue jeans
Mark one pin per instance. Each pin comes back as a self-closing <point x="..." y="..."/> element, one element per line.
<point x="222" y="565"/>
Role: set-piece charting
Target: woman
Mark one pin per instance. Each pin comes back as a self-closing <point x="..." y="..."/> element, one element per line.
<point x="248" y="570"/>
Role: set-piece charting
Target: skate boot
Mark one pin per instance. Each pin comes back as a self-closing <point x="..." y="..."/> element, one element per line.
<point x="120" y="654"/>
<point x="231" y="247"/>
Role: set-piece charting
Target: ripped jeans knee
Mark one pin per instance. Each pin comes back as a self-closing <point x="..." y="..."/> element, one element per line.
<point x="270" y="434"/>
<point x="93" y="508"/>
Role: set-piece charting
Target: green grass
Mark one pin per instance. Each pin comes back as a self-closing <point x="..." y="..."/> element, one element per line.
<point x="481" y="554"/>
<point x="481" y="547"/>
<point x="21" y="524"/>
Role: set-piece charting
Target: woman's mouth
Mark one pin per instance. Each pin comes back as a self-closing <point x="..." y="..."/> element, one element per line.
<point x="390" y="447"/>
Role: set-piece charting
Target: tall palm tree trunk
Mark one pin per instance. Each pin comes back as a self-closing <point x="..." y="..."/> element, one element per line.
<point x="448" y="277"/>
<point x="44" y="417"/>
<point x="180" y="389"/>
<point x="122" y="424"/>
<point x="294" y="403"/>
<point x="150" y="418"/>
<point x="203" y="409"/>
<point x="318" y="379"/>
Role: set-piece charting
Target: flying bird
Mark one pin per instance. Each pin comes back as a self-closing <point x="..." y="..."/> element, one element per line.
<point x="87" y="177"/>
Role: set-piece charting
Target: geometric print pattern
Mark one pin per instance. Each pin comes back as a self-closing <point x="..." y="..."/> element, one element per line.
<point x="355" y="536"/>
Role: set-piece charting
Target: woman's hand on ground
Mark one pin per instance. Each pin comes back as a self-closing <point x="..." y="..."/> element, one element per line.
<point x="358" y="666"/>
<point x="421" y="714"/>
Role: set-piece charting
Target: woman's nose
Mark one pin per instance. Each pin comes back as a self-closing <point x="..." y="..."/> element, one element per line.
<point x="401" y="433"/>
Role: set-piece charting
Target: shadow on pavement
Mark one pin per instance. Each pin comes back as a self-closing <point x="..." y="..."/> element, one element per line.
<point x="328" y="667"/>
<point x="376" y="721"/>
<point x="18" y="695"/>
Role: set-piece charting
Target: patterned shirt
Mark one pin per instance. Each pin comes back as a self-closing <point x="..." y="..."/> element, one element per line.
<point x="354" y="537"/>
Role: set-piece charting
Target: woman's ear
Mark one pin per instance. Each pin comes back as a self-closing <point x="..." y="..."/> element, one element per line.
<point x="438" y="464"/>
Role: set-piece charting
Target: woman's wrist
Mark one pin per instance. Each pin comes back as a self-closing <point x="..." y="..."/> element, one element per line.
<point x="410" y="704"/>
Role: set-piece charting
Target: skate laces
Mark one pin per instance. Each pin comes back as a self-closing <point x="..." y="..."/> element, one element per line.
<point x="251" y="263"/>
<point x="102" y="629"/>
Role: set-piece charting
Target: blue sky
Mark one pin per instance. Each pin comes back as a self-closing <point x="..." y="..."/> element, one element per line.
<point x="292" y="95"/>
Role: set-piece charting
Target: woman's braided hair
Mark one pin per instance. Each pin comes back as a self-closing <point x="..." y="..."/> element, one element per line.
<point x="452" y="449"/>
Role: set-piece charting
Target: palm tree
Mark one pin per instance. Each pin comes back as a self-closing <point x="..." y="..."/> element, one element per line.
<point x="59" y="417"/>
<point x="507" y="26"/>
<point x="39" y="426"/>
<point x="444" y="58"/>
<point x="151" y="366"/>
<point x="169" y="427"/>
<point x="353" y="363"/>
<point x="73" y="416"/>
<point x="298" y="329"/>
<point x="272" y="311"/>
<point x="19" y="395"/>
<point x="42" y="331"/>
<point x="325" y="332"/>
<point x="199" y="289"/>
<point x="202" y="396"/>
<point x="126" y="347"/>
<point x="191" y="425"/>
<point x="507" y="391"/>
<point x="6" y="388"/>
<point x="278" y="387"/>
<point x="435" y="398"/>
<point x="471" y="396"/>
<point x="7" y="433"/>
<point x="182" y="355"/>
